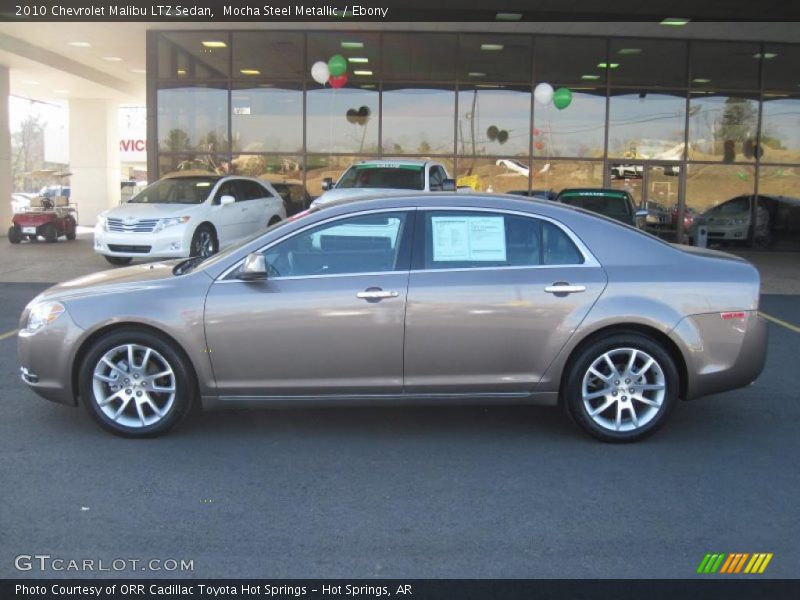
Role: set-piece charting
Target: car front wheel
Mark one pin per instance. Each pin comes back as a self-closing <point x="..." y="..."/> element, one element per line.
<point x="136" y="384"/>
<point x="204" y="242"/>
<point x="621" y="388"/>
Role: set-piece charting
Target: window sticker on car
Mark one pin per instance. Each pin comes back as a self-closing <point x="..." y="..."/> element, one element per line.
<point x="468" y="238"/>
<point x="388" y="166"/>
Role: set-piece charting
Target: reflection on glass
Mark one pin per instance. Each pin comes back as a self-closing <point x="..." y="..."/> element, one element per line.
<point x="570" y="60"/>
<point x="361" y="50"/>
<point x="780" y="181"/>
<point x="185" y="163"/>
<point x="710" y="185"/>
<point x="321" y="167"/>
<point x="725" y="65"/>
<point x="780" y="67"/>
<point x="560" y="174"/>
<point x="578" y="130"/>
<point x="267" y="119"/>
<point x="190" y="55"/>
<point x="418" y="120"/>
<point x="272" y="54"/>
<point x="646" y="125"/>
<point x="285" y="173"/>
<point x="494" y="121"/>
<point x="780" y="129"/>
<point x="419" y="56"/>
<point x="501" y="176"/>
<point x="343" y="120"/>
<point x="722" y="128"/>
<point x="192" y="118"/>
<point x="647" y="62"/>
<point x="493" y="58"/>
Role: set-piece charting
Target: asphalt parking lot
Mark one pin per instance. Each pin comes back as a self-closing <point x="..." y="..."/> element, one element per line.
<point x="420" y="492"/>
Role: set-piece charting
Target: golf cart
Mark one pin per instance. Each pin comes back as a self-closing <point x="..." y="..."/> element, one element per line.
<point x="49" y="215"/>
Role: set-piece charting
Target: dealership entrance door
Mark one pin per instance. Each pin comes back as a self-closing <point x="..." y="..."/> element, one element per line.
<point x="655" y="187"/>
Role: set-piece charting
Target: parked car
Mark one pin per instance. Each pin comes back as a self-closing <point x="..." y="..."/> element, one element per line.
<point x="731" y="221"/>
<point x="502" y="300"/>
<point x="616" y="204"/>
<point x="541" y="194"/>
<point x="186" y="215"/>
<point x="369" y="178"/>
<point x="295" y="196"/>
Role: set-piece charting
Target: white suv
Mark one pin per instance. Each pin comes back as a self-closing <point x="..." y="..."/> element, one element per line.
<point x="186" y="215"/>
<point x="386" y="177"/>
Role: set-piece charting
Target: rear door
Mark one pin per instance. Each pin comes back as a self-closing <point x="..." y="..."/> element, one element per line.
<point x="493" y="296"/>
<point x="227" y="219"/>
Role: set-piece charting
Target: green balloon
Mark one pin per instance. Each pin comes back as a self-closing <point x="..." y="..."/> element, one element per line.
<point x="337" y="65"/>
<point x="562" y="98"/>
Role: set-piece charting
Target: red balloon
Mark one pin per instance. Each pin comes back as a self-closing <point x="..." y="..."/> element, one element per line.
<point x="539" y="145"/>
<point x="338" y="81"/>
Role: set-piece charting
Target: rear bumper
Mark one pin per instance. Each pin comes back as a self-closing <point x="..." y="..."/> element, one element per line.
<point x="721" y="354"/>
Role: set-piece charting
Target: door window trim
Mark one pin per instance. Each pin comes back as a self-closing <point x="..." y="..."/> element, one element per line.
<point x="589" y="260"/>
<point x="407" y="237"/>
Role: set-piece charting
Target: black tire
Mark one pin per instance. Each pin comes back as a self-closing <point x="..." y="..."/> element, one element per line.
<point x="273" y="221"/>
<point x="72" y="233"/>
<point x="184" y="381"/>
<point x="50" y="233"/>
<point x="572" y="387"/>
<point x="118" y="261"/>
<point x="14" y="234"/>
<point x="204" y="242"/>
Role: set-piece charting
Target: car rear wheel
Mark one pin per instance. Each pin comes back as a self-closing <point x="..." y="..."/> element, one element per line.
<point x="621" y="388"/>
<point x="14" y="234"/>
<point x="204" y="242"/>
<point x="50" y="233"/>
<point x="118" y="261"/>
<point x="135" y="384"/>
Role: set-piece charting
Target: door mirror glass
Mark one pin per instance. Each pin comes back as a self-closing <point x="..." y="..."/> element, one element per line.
<point x="449" y="185"/>
<point x="254" y="267"/>
<point x="327" y="184"/>
<point x="225" y="200"/>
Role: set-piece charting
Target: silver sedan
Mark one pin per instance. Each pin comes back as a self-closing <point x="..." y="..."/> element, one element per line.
<point x="447" y="298"/>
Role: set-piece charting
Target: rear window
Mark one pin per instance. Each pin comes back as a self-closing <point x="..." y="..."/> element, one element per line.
<point x="610" y="204"/>
<point x="384" y="175"/>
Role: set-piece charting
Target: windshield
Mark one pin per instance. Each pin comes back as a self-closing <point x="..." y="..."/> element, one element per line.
<point x="178" y="190"/>
<point x="737" y="205"/>
<point x="610" y="204"/>
<point x="384" y="175"/>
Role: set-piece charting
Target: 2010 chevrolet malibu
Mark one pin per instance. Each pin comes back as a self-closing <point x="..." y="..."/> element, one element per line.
<point x="445" y="298"/>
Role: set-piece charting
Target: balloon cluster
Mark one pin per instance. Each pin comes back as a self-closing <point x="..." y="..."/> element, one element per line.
<point x="544" y="94"/>
<point x="360" y="116"/>
<point x="495" y="134"/>
<point x="334" y="71"/>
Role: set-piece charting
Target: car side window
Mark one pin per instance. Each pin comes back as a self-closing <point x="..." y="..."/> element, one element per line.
<point x="360" y="244"/>
<point x="227" y="188"/>
<point x="435" y="179"/>
<point x="474" y="239"/>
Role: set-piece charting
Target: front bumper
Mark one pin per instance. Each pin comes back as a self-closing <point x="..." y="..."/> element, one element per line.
<point x="46" y="357"/>
<point x="172" y="242"/>
<point x="722" y="354"/>
<point x="732" y="233"/>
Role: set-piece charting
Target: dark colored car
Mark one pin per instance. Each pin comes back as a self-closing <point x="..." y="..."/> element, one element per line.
<point x="295" y="196"/>
<point x="615" y="204"/>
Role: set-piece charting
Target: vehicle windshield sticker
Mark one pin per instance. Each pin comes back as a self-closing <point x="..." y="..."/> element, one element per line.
<point x="388" y="166"/>
<point x="469" y="239"/>
<point x="600" y="194"/>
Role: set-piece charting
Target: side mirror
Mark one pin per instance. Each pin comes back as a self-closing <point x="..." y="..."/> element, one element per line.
<point x="448" y="185"/>
<point x="254" y="268"/>
<point x="225" y="200"/>
<point x="327" y="184"/>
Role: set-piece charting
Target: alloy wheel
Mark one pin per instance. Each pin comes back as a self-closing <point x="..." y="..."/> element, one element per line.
<point x="204" y="245"/>
<point x="623" y="389"/>
<point x="134" y="385"/>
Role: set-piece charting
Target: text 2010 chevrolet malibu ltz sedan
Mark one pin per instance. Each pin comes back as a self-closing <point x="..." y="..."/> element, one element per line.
<point x="446" y="298"/>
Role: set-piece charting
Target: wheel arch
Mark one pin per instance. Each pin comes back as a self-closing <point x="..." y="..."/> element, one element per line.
<point x="656" y="335"/>
<point x="86" y="344"/>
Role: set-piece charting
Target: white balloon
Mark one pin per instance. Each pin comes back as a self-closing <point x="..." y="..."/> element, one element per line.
<point x="543" y="93"/>
<point x="320" y="72"/>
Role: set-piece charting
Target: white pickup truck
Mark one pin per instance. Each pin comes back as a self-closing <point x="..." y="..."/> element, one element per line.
<point x="386" y="177"/>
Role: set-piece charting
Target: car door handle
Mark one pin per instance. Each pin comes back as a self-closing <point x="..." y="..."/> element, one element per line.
<point x="564" y="288"/>
<point x="373" y="294"/>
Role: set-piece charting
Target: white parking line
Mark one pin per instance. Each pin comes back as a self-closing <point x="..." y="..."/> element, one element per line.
<point x="780" y="322"/>
<point x="8" y="334"/>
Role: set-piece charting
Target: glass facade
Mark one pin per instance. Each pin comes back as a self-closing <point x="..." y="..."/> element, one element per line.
<point x="682" y="125"/>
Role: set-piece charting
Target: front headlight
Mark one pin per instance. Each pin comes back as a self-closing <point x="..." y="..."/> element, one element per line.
<point x="43" y="313"/>
<point x="170" y="221"/>
<point x="738" y="221"/>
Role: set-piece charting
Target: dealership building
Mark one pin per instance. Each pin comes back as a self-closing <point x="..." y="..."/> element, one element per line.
<point x="682" y="114"/>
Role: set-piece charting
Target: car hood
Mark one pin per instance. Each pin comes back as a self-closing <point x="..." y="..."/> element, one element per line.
<point x="126" y="279"/>
<point x="352" y="193"/>
<point x="149" y="211"/>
